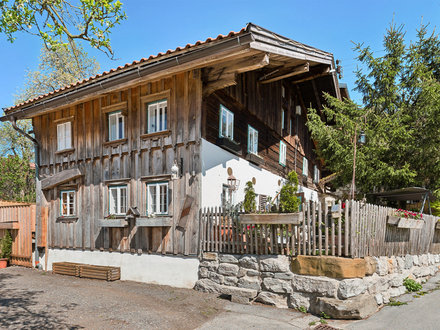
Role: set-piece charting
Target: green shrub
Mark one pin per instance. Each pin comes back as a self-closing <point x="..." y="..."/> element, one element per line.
<point x="249" y="203"/>
<point x="411" y="285"/>
<point x="6" y="245"/>
<point x="289" y="202"/>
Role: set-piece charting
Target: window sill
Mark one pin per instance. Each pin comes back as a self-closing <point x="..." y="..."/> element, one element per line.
<point x="155" y="134"/>
<point x="256" y="159"/>
<point x="65" y="151"/>
<point x="158" y="221"/>
<point x="67" y="219"/>
<point x="113" y="223"/>
<point x="115" y="142"/>
<point x="229" y="145"/>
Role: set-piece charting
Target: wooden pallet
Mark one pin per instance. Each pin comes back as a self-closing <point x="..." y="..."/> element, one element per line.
<point x="100" y="272"/>
<point x="66" y="268"/>
<point x="87" y="271"/>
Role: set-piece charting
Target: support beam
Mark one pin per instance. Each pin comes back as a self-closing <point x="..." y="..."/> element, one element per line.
<point x="287" y="72"/>
<point x="63" y="177"/>
<point x="324" y="72"/>
<point x="211" y="87"/>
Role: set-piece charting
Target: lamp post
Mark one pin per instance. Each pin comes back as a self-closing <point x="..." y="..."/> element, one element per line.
<point x="362" y="140"/>
<point x="233" y="185"/>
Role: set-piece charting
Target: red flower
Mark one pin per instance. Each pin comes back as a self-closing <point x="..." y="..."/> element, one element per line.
<point x="343" y="205"/>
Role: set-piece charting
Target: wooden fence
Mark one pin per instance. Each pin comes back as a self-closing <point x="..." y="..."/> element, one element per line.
<point x="19" y="219"/>
<point x="361" y="230"/>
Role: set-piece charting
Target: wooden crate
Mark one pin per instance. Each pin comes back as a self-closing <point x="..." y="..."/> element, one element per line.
<point x="66" y="268"/>
<point x="100" y="272"/>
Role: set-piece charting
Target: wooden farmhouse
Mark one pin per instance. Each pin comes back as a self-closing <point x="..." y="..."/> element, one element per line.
<point x="128" y="158"/>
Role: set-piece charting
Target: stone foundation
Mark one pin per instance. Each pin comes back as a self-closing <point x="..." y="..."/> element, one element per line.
<point x="269" y="279"/>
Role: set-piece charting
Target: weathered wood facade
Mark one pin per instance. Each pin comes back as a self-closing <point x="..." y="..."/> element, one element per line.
<point x="251" y="72"/>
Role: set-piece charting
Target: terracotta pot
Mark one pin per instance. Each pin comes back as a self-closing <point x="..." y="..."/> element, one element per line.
<point x="3" y="263"/>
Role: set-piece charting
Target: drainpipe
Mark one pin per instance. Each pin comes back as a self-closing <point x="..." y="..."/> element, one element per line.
<point x="13" y="120"/>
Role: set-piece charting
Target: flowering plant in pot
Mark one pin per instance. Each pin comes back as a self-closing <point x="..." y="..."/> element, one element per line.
<point x="5" y="249"/>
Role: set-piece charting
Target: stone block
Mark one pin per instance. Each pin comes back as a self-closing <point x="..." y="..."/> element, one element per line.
<point x="378" y="298"/>
<point x="422" y="271"/>
<point x="394" y="292"/>
<point x="278" y="263"/>
<point x="390" y="265"/>
<point x="416" y="260"/>
<point x="241" y="272"/>
<point x="211" y="265"/>
<point x="228" y="269"/>
<point x="273" y="299"/>
<point x="437" y="258"/>
<point x="230" y="281"/>
<point x="356" y="308"/>
<point x="431" y="259"/>
<point x="400" y="264"/>
<point x="242" y="292"/>
<point x="351" y="288"/>
<point x="253" y="273"/>
<point x="277" y="286"/>
<point x="267" y="274"/>
<point x="298" y="299"/>
<point x="386" y="297"/>
<point x="335" y="267"/>
<point x="217" y="278"/>
<point x="376" y="283"/>
<point x="206" y="285"/>
<point x="228" y="258"/>
<point x="240" y="300"/>
<point x="249" y="283"/>
<point x="315" y="284"/>
<point x="396" y="280"/>
<point x="210" y="256"/>
<point x="370" y="266"/>
<point x="203" y="272"/>
<point x="382" y="266"/>
<point x="283" y="276"/>
<point x="409" y="261"/>
<point x="249" y="262"/>
<point x="402" y="289"/>
<point x="423" y="260"/>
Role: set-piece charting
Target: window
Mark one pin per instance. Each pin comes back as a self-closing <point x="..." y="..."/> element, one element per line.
<point x="305" y="166"/>
<point x="252" y="140"/>
<point x="118" y="200"/>
<point x="64" y="136"/>
<point x="157" y="116"/>
<point x="282" y="119"/>
<point x="157" y="198"/>
<point x="226" y="123"/>
<point x="282" y="153"/>
<point x="67" y="204"/>
<point x="316" y="174"/>
<point x="283" y="92"/>
<point x="116" y="126"/>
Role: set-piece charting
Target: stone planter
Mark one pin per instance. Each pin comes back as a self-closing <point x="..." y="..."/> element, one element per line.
<point x="3" y="263"/>
<point x="272" y="218"/>
<point x="407" y="223"/>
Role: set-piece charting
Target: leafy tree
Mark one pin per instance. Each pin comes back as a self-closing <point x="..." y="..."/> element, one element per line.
<point x="6" y="245"/>
<point x="400" y="116"/>
<point x="51" y="20"/>
<point x="249" y="203"/>
<point x="17" y="181"/>
<point x="289" y="202"/>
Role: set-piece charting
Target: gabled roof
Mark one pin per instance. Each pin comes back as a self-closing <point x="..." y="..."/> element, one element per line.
<point x="252" y="37"/>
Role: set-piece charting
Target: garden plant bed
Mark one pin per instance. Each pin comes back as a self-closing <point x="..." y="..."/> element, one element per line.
<point x="87" y="271"/>
<point x="408" y="223"/>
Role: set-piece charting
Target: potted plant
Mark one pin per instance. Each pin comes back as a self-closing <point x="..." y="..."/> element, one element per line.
<point x="6" y="249"/>
<point x="288" y="209"/>
<point x="406" y="219"/>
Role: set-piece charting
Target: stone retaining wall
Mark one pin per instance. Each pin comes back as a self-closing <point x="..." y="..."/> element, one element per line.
<point x="268" y="279"/>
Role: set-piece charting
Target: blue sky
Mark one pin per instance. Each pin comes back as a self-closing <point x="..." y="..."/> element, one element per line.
<point x="155" y="26"/>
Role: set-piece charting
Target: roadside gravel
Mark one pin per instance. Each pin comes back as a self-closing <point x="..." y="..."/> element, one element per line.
<point x="31" y="299"/>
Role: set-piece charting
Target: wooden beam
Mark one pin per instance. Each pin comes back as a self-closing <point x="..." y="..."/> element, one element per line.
<point x="318" y="100"/>
<point x="9" y="225"/>
<point x="63" y="177"/>
<point x="154" y="222"/>
<point x="219" y="84"/>
<point x="186" y="209"/>
<point x="324" y="72"/>
<point x="287" y="72"/>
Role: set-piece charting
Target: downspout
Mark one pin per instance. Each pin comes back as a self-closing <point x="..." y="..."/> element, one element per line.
<point x="13" y="120"/>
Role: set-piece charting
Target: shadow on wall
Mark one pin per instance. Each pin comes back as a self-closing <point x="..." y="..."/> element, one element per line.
<point x="21" y="309"/>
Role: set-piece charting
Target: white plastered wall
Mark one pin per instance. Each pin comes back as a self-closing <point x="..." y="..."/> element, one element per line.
<point x="180" y="272"/>
<point x="215" y="162"/>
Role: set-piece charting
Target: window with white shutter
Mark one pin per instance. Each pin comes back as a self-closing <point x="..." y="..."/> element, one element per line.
<point x="252" y="140"/>
<point x="305" y="166"/>
<point x="283" y="151"/>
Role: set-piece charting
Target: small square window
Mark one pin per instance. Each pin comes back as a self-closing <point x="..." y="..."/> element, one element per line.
<point x="157" y="198"/>
<point x="305" y="166"/>
<point x="64" y="136"/>
<point x="118" y="200"/>
<point x="226" y="123"/>
<point x="116" y="126"/>
<point x="252" y="140"/>
<point x="157" y="116"/>
<point x="283" y="151"/>
<point x="67" y="205"/>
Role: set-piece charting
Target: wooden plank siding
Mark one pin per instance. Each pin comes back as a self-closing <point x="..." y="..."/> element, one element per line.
<point x="129" y="160"/>
<point x="260" y="106"/>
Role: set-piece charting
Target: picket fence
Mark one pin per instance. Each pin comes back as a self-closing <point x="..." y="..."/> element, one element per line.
<point x="361" y="230"/>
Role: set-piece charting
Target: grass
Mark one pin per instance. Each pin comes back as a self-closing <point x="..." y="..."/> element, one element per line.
<point x="396" y="303"/>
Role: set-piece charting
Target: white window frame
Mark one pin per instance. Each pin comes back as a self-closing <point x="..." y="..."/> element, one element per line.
<point x="64" y="136"/>
<point x="229" y="118"/>
<point x="160" y="204"/>
<point x="161" y="123"/>
<point x="316" y="173"/>
<point x="118" y="135"/>
<point x="117" y="209"/>
<point x="252" y="140"/>
<point x="283" y="153"/>
<point x="68" y="204"/>
<point x="305" y="166"/>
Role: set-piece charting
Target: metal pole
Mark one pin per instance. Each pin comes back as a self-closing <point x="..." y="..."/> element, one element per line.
<point x="354" y="162"/>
